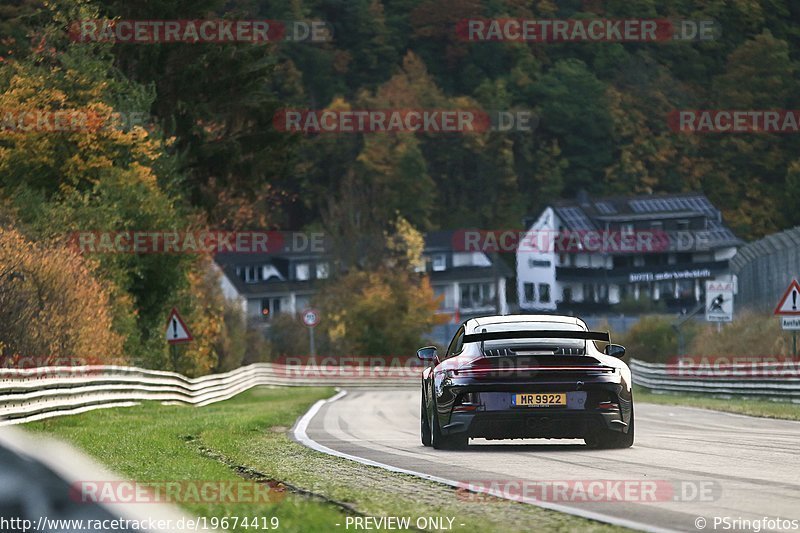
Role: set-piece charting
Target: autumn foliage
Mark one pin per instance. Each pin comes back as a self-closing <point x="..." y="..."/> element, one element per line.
<point x="52" y="307"/>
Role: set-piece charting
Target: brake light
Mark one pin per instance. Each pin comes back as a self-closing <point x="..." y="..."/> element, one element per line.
<point x="607" y="405"/>
<point x="467" y="403"/>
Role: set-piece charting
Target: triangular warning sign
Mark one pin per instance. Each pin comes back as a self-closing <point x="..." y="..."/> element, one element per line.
<point x="176" y="329"/>
<point x="790" y="303"/>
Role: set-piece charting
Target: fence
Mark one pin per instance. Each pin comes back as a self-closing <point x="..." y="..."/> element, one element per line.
<point x="765" y="267"/>
<point x="766" y="380"/>
<point x="37" y="393"/>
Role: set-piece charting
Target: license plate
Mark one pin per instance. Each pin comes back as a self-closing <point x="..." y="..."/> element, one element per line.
<point x="540" y="399"/>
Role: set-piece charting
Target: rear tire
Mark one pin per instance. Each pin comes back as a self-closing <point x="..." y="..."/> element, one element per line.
<point x="425" y="426"/>
<point x="607" y="439"/>
<point x="446" y="442"/>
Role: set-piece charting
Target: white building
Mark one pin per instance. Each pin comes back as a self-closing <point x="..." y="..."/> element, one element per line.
<point x="269" y="284"/>
<point x="588" y="255"/>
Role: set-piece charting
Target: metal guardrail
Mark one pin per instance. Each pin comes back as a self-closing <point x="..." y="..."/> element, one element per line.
<point x="36" y="393"/>
<point x="771" y="380"/>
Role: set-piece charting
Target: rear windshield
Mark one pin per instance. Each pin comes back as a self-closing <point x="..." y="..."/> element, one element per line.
<point x="554" y="346"/>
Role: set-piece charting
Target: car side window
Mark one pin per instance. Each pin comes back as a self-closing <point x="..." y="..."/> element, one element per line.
<point x="456" y="344"/>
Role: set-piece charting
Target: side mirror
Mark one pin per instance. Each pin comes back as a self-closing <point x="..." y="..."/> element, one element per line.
<point x="427" y="353"/>
<point x="614" y="350"/>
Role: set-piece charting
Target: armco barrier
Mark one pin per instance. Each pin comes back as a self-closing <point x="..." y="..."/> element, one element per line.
<point x="766" y="380"/>
<point x="37" y="393"/>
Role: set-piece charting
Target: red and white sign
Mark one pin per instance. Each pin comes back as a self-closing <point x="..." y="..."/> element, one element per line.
<point x="789" y="304"/>
<point x="311" y="317"/>
<point x="177" y="331"/>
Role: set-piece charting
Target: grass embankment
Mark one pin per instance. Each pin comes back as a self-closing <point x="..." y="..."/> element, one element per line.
<point x="247" y="438"/>
<point x="742" y="406"/>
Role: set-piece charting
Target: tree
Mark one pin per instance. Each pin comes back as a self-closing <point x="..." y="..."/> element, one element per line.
<point x="52" y="308"/>
<point x="381" y="312"/>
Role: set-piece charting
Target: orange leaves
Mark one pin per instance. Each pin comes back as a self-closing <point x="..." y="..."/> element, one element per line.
<point x="51" y="306"/>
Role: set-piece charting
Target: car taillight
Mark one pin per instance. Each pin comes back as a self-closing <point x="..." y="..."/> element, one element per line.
<point x="467" y="403"/>
<point x="607" y="405"/>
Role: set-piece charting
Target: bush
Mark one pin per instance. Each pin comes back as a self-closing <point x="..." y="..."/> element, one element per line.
<point x="750" y="334"/>
<point x="52" y="307"/>
<point x="652" y="339"/>
<point x="383" y="312"/>
<point x="288" y="336"/>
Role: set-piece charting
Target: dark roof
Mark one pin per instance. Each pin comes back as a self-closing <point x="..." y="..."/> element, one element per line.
<point x="436" y="241"/>
<point x="439" y="240"/>
<point x="592" y="214"/>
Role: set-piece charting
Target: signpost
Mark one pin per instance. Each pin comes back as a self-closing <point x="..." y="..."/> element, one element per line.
<point x="788" y="309"/>
<point x="719" y="302"/>
<point x="311" y="319"/>
<point x="176" y="333"/>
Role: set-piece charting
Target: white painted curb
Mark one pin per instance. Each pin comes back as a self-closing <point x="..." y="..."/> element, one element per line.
<point x="300" y="434"/>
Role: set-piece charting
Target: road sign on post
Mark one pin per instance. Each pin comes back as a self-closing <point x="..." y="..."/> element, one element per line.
<point x="719" y="301"/>
<point x="788" y="309"/>
<point x="177" y="332"/>
<point x="311" y="319"/>
<point x="789" y="305"/>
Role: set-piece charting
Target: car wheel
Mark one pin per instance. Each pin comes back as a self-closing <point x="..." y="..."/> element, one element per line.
<point x="425" y="426"/>
<point x="607" y="439"/>
<point x="449" y="442"/>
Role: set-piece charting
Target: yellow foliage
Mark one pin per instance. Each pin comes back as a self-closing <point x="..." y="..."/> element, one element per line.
<point x="52" y="308"/>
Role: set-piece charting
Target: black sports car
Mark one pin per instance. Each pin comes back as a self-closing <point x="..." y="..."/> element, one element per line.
<point x="526" y="376"/>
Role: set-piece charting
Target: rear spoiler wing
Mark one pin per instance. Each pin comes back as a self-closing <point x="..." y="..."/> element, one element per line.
<point x="538" y="334"/>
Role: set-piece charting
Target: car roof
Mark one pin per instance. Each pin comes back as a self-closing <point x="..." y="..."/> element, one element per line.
<point x="511" y="319"/>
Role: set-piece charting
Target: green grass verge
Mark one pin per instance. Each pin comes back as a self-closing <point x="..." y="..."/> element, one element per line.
<point x="247" y="437"/>
<point x="751" y="407"/>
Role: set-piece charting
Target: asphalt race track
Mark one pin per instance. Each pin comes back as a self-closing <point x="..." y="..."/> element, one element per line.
<point x="748" y="468"/>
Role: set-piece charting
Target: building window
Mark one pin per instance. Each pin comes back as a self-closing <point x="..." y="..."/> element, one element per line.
<point x="302" y="272"/>
<point x="657" y="225"/>
<point x="666" y="290"/>
<point x="476" y="295"/>
<point x="683" y="225"/>
<point x="544" y="293"/>
<point x="626" y="229"/>
<point x="566" y="295"/>
<point x="270" y="307"/>
<point x="589" y="294"/>
<point x="252" y="274"/>
<point x="439" y="262"/>
<point x="322" y="270"/>
<point x="528" y="289"/>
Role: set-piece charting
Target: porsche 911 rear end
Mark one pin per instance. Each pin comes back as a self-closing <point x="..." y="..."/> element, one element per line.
<point x="532" y="383"/>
